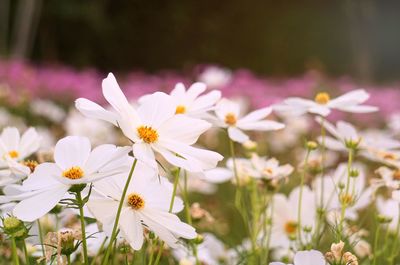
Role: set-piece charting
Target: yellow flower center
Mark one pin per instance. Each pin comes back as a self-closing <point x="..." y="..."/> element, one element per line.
<point x="13" y="154"/>
<point x="230" y="119"/>
<point x="396" y="174"/>
<point x="290" y="227"/>
<point x="135" y="201"/>
<point x="346" y="199"/>
<point x="322" y="98"/>
<point x="268" y="171"/>
<point x="180" y="109"/>
<point x="389" y="156"/>
<point x="147" y="134"/>
<point x="32" y="164"/>
<point x="73" y="173"/>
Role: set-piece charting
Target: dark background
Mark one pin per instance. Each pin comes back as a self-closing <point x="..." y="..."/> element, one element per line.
<point x="360" y="38"/>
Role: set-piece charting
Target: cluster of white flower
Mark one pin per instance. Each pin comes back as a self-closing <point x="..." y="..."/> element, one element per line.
<point x="94" y="201"/>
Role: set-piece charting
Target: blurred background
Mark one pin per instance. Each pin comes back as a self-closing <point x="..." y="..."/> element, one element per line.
<point x="356" y="38"/>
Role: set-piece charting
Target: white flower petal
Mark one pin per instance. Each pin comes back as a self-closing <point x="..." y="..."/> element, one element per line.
<point x="260" y="125"/>
<point x="32" y="208"/>
<point x="183" y="129"/>
<point x="131" y="228"/>
<point x="156" y="109"/>
<point x="72" y="151"/>
<point x="94" y="111"/>
<point x="257" y="115"/>
<point x="10" y="138"/>
<point x="144" y="153"/>
<point x="309" y="257"/>
<point x="113" y="94"/>
<point x="237" y="135"/>
<point x="206" y="101"/>
<point x="45" y="176"/>
<point x="30" y="142"/>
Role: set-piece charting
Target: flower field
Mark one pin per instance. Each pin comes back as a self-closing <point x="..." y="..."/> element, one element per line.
<point x="209" y="166"/>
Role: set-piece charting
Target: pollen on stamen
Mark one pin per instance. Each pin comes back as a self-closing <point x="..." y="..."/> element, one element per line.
<point x="180" y="109"/>
<point x="73" y="173"/>
<point x="396" y="174"/>
<point x="268" y="171"/>
<point x="322" y="98"/>
<point x="290" y="227"/>
<point x="147" y="134"/>
<point x="230" y="119"/>
<point x="346" y="199"/>
<point x="13" y="154"/>
<point x="135" y="201"/>
<point x="32" y="164"/>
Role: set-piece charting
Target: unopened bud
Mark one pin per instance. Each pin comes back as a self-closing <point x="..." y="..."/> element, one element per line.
<point x="14" y="227"/>
<point x="250" y="145"/>
<point x="199" y="239"/>
<point x="354" y="173"/>
<point x="311" y="145"/>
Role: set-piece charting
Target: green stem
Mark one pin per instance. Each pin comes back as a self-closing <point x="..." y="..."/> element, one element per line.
<point x="171" y="205"/>
<point x="41" y="237"/>
<point x="25" y="252"/>
<point x="269" y="229"/>
<point x="235" y="171"/>
<point x="14" y="251"/>
<point x="344" y="200"/>
<point x="376" y="243"/>
<point x="303" y="175"/>
<point x="68" y="259"/>
<point x="81" y="203"/>
<point x="99" y="251"/>
<point x="121" y="202"/>
<point x="323" y="153"/>
<point x="188" y="215"/>
<point x="255" y="216"/>
<point x="396" y="239"/>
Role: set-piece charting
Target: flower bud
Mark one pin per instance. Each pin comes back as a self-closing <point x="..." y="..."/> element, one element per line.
<point x="382" y="219"/>
<point x="311" y="145"/>
<point x="198" y="240"/>
<point x="14" y="227"/>
<point x="250" y="145"/>
<point x="354" y="173"/>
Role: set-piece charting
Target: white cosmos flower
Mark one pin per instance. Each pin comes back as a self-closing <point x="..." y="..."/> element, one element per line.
<point x="96" y="130"/>
<point x="308" y="257"/>
<point x="323" y="104"/>
<point x="285" y="216"/>
<point x="375" y="146"/>
<point x="146" y="206"/>
<point x="389" y="208"/>
<point x="211" y="252"/>
<point x="359" y="195"/>
<point x="215" y="77"/>
<point x="75" y="163"/>
<point x="229" y="116"/>
<point x="190" y="102"/>
<point x="389" y="178"/>
<point x="269" y="168"/>
<point x="13" y="150"/>
<point x="154" y="127"/>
